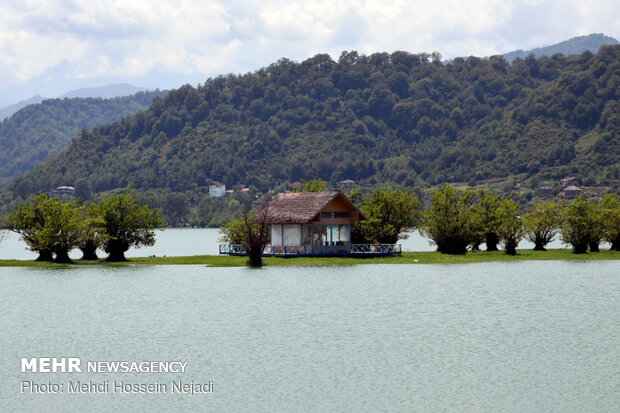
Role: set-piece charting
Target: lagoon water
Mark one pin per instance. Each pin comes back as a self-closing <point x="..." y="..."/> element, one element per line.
<point x="518" y="336"/>
<point x="509" y="337"/>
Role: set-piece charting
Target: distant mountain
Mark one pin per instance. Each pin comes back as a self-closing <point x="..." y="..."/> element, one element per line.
<point x="576" y="45"/>
<point x="105" y="92"/>
<point x="7" y="111"/>
<point x="385" y="119"/>
<point x="40" y="131"/>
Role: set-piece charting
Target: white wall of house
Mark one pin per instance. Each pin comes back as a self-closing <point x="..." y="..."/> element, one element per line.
<point x="217" y="190"/>
<point x="292" y="235"/>
<point x="276" y="234"/>
<point x="288" y="235"/>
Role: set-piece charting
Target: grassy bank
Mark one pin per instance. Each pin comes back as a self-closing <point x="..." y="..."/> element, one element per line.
<point x="405" y="258"/>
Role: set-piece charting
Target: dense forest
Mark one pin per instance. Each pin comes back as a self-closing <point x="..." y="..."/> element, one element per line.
<point x="40" y="131"/>
<point x="400" y="119"/>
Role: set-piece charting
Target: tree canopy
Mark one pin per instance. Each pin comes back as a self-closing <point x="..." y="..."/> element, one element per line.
<point x="127" y="224"/>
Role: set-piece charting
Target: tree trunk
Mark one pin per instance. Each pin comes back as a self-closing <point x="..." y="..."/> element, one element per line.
<point x="116" y="256"/>
<point x="539" y="245"/>
<point x="89" y="252"/>
<point x="62" y="257"/>
<point x="581" y="248"/>
<point x="255" y="258"/>
<point x="116" y="250"/>
<point x="45" y="256"/>
<point x="453" y="246"/>
<point x="511" y="247"/>
<point x="594" y="246"/>
<point x="491" y="239"/>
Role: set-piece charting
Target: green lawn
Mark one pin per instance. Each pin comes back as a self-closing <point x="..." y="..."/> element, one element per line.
<point x="405" y="258"/>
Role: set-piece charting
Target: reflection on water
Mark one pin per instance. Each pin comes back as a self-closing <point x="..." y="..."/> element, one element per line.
<point x="519" y="336"/>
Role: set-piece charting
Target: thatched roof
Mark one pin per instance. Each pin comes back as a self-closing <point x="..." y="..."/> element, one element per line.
<point x="299" y="207"/>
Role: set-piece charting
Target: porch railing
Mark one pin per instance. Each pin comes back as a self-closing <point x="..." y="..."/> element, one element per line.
<point x="318" y="250"/>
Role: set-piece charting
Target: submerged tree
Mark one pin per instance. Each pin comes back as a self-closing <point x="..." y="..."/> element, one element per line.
<point x="510" y="229"/>
<point x="488" y="218"/>
<point x="28" y="220"/>
<point x="127" y="224"/>
<point x="597" y="232"/>
<point x="450" y="221"/>
<point x="579" y="223"/>
<point x="390" y="212"/>
<point x="48" y="226"/>
<point x="251" y="231"/>
<point x="611" y="220"/>
<point x="93" y="232"/>
<point x="543" y="223"/>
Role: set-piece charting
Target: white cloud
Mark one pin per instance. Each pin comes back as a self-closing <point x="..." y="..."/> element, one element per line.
<point x="90" y="39"/>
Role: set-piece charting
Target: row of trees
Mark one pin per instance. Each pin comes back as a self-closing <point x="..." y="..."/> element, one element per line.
<point x="53" y="228"/>
<point x="458" y="219"/>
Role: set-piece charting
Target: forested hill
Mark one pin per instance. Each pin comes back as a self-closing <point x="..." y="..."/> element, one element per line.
<point x="40" y="131"/>
<point x="395" y="118"/>
<point x="576" y="45"/>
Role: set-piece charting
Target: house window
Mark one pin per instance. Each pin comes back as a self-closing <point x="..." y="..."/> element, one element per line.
<point x="335" y="214"/>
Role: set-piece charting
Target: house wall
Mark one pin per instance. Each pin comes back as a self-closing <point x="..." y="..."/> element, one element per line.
<point x="289" y="235"/>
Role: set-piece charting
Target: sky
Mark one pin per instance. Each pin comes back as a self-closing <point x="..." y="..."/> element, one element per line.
<point x="49" y="47"/>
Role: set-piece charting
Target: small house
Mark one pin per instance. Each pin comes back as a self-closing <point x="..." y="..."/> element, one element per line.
<point x="62" y="191"/>
<point x="572" y="191"/>
<point x="569" y="180"/>
<point x="313" y="224"/>
<point x="545" y="190"/>
<point x="347" y="183"/>
<point x="217" y="189"/>
<point x="310" y="218"/>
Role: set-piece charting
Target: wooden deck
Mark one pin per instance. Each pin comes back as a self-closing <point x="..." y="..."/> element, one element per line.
<point x="352" y="250"/>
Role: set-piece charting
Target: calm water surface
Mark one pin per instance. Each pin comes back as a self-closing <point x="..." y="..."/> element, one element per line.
<point x="502" y="337"/>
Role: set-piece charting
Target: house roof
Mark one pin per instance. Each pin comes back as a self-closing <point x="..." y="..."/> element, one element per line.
<point x="572" y="188"/>
<point x="300" y="207"/>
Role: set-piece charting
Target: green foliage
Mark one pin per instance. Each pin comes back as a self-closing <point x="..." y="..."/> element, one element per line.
<point x="48" y="226"/>
<point x="390" y="212"/>
<point x="93" y="234"/>
<point x="235" y="232"/>
<point x="313" y="185"/>
<point x="510" y="229"/>
<point x="611" y="220"/>
<point x="488" y="217"/>
<point x="253" y="236"/>
<point x="28" y="220"/>
<point x="582" y="225"/>
<point x="543" y="223"/>
<point x="127" y="224"/>
<point x="451" y="222"/>
<point x="38" y="132"/>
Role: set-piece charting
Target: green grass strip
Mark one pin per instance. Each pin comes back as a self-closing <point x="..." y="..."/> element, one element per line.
<point x="405" y="258"/>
